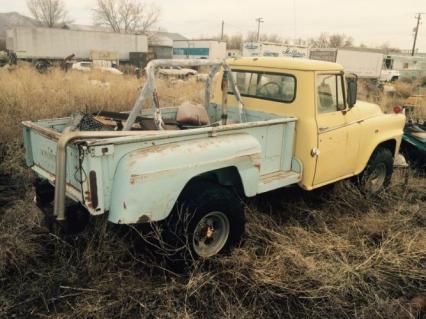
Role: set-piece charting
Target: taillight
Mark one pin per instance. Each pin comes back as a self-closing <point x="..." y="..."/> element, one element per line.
<point x="397" y="109"/>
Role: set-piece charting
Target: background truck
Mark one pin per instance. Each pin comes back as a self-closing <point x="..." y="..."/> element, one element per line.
<point x="272" y="123"/>
<point x="44" y="45"/>
<point x="271" y="49"/>
<point x="406" y="66"/>
<point x="366" y="64"/>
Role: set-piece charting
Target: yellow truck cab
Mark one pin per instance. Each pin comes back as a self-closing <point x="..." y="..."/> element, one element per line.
<point x="334" y="140"/>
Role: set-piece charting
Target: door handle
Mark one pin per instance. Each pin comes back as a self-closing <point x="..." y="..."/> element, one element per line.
<point x="322" y="129"/>
<point x="315" y="152"/>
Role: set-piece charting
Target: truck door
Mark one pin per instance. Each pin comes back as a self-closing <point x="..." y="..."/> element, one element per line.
<point x="337" y="145"/>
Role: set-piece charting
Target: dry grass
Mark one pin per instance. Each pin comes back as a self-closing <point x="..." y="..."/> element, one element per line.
<point x="328" y="254"/>
<point x="28" y="95"/>
<point x="402" y="90"/>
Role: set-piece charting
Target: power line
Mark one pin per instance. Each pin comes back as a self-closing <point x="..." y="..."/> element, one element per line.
<point x="223" y="27"/>
<point x="416" y="31"/>
<point x="259" y="21"/>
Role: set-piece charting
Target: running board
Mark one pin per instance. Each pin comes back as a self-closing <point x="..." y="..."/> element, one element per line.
<point x="276" y="180"/>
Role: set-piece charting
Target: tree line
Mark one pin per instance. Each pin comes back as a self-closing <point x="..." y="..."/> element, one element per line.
<point x="324" y="40"/>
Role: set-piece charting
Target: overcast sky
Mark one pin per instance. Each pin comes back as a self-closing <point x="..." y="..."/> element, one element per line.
<point x="372" y="22"/>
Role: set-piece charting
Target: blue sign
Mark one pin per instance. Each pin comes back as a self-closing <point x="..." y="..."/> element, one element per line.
<point x="191" y="51"/>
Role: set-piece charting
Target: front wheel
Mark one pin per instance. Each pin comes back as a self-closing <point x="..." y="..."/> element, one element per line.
<point x="378" y="173"/>
<point x="208" y="220"/>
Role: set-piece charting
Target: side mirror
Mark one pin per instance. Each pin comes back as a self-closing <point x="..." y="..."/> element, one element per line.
<point x="352" y="88"/>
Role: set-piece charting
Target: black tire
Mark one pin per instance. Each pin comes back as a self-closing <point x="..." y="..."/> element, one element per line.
<point x="380" y="163"/>
<point x="44" y="192"/>
<point x="198" y="201"/>
<point x="42" y="66"/>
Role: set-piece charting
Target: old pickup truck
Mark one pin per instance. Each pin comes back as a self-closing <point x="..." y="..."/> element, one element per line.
<point x="266" y="123"/>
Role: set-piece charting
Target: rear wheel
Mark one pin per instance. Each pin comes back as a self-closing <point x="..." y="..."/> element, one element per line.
<point x="378" y="173"/>
<point x="208" y="220"/>
<point x="211" y="234"/>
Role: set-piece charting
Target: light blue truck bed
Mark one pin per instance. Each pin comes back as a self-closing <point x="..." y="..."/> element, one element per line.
<point x="139" y="177"/>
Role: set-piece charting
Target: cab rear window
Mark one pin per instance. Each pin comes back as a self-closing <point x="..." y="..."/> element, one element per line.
<point x="264" y="85"/>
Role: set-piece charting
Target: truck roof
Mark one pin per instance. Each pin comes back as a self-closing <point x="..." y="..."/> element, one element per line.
<point x="285" y="63"/>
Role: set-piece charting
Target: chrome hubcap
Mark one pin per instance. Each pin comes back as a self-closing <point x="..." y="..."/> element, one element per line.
<point x="211" y="234"/>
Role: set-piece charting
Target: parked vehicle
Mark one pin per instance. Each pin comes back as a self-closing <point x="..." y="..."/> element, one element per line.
<point x="389" y="75"/>
<point x="46" y="45"/>
<point x="299" y="124"/>
<point x="407" y="66"/>
<point x="365" y="63"/>
<point x="177" y="72"/>
<point x="413" y="144"/>
<point x="87" y="66"/>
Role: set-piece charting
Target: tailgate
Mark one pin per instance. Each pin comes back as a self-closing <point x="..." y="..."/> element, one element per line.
<point x="40" y="141"/>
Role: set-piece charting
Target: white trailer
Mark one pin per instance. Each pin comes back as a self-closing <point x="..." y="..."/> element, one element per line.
<point x="365" y="63"/>
<point x="274" y="50"/>
<point x="199" y="49"/>
<point x="406" y="65"/>
<point x="56" y="44"/>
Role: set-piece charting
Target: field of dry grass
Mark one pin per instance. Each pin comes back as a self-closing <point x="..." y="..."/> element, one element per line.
<point x="327" y="254"/>
<point x="397" y="96"/>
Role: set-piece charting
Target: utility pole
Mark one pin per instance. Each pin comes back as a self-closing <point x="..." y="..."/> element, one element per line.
<point x="259" y="21"/>
<point x="416" y="31"/>
<point x="223" y="27"/>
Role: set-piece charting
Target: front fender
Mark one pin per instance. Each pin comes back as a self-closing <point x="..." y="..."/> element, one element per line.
<point x="377" y="131"/>
<point x="148" y="181"/>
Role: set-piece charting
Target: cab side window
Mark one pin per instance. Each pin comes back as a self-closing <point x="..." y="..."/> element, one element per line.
<point x="266" y="85"/>
<point x="329" y="89"/>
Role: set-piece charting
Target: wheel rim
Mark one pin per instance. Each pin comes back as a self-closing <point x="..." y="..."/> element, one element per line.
<point x="211" y="234"/>
<point x="376" y="178"/>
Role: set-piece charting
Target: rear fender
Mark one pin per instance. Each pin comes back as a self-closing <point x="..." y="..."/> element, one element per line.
<point x="148" y="181"/>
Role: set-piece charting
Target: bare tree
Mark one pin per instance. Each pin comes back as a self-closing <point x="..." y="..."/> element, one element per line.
<point x="275" y="38"/>
<point x="386" y="48"/>
<point x="126" y="15"/>
<point x="234" y="41"/>
<point x="49" y="13"/>
<point x="299" y="41"/>
<point x="252" y="37"/>
<point x="331" y="41"/>
<point x="340" y="40"/>
<point x="320" y="42"/>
